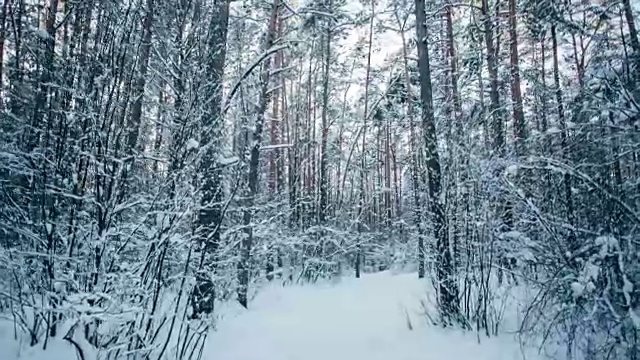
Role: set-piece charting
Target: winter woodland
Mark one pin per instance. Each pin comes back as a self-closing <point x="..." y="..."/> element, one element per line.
<point x="160" y="158"/>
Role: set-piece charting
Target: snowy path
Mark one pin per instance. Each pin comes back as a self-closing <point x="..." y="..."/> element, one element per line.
<point x="357" y="319"/>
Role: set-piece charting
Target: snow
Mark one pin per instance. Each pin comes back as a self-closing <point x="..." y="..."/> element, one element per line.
<point x="577" y="289"/>
<point x="377" y="317"/>
<point x="591" y="271"/>
<point x="608" y="245"/>
<point x="512" y="170"/>
<point x="228" y="161"/>
<point x="627" y="289"/>
<point x="628" y="286"/>
<point x="16" y="347"/>
<point x="192" y="144"/>
<point x="607" y="241"/>
<point x="635" y="317"/>
<point x="553" y="130"/>
<point x="276" y="146"/>
<point x="513" y="234"/>
<point x="41" y="33"/>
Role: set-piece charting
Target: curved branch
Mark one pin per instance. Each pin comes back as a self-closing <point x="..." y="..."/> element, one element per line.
<point x="248" y="72"/>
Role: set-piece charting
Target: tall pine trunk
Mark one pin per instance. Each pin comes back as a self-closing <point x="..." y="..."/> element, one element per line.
<point x="254" y="163"/>
<point x="210" y="213"/>
<point x="566" y="177"/>
<point x="322" y="211"/>
<point x="447" y="286"/>
<point x="519" y="127"/>
<point x="361" y="204"/>
<point x="494" y="106"/>
<point x="413" y="148"/>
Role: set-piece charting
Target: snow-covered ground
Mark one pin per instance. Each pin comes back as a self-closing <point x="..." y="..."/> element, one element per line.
<point x="379" y="316"/>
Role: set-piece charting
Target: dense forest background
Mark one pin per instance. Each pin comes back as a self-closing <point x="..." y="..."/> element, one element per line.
<point x="160" y="156"/>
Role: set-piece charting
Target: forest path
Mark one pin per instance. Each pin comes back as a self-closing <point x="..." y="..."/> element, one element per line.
<point x="355" y="319"/>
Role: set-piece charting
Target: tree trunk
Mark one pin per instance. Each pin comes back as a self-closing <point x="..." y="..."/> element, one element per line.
<point x="247" y="241"/>
<point x="361" y="205"/>
<point x="516" y="94"/>
<point x="543" y="93"/>
<point x="453" y="65"/>
<point x="3" y="35"/>
<point x="294" y="155"/>
<point x="387" y="174"/>
<point x="447" y="286"/>
<point x="494" y="107"/>
<point x="417" y="210"/>
<point x="275" y="123"/>
<point x="40" y="101"/>
<point x="138" y="91"/>
<point x="210" y="212"/>
<point x="566" y="177"/>
<point x="325" y="127"/>
<point x="633" y="34"/>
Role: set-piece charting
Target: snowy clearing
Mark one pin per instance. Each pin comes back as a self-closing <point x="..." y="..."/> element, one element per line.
<point x="368" y="318"/>
<point x="380" y="316"/>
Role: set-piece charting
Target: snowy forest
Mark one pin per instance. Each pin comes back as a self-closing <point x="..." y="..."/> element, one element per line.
<point x="162" y="158"/>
